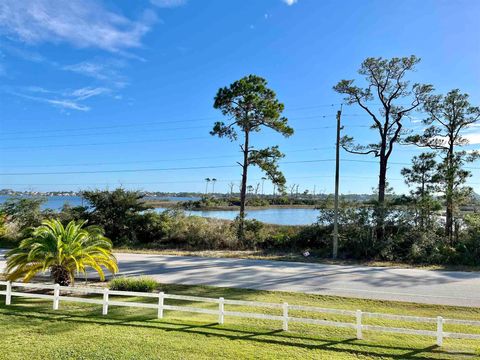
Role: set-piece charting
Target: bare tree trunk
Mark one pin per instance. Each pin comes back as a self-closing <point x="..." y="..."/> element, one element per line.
<point x="382" y="184"/>
<point x="60" y="275"/>
<point x="423" y="211"/>
<point x="449" y="212"/>
<point x="449" y="195"/>
<point x="243" y="190"/>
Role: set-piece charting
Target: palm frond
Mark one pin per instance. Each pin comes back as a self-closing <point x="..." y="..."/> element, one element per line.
<point x="73" y="247"/>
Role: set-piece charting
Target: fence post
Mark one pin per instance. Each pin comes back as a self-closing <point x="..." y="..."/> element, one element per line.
<point x="8" y="295"/>
<point x="358" y="315"/>
<point x="439" y="331"/>
<point x="221" y="310"/>
<point x="161" y="297"/>
<point x="105" y="301"/>
<point x="56" y="296"/>
<point x="285" y="316"/>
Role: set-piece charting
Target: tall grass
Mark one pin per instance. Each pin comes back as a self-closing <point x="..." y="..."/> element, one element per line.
<point x="139" y="284"/>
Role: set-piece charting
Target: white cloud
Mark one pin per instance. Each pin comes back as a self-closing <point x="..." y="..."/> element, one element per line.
<point x="24" y="54"/>
<point x="414" y="119"/>
<point x="82" y="23"/>
<point x="473" y="138"/>
<point x="67" y="104"/>
<point x="90" y="69"/>
<point x="65" y="99"/>
<point x="290" y="2"/>
<point x="88" y="92"/>
<point x="77" y="94"/>
<point x="101" y="70"/>
<point x="39" y="89"/>
<point x="60" y="103"/>
<point x="168" y="3"/>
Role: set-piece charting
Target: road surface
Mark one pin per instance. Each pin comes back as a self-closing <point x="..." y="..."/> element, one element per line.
<point x="382" y="283"/>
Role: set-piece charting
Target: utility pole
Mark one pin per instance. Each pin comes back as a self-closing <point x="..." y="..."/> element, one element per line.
<point x="337" y="181"/>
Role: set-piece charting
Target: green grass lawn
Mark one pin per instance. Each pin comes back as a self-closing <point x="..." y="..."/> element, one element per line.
<point x="30" y="329"/>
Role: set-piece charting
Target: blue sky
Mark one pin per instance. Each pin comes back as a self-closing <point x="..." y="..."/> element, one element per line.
<point x="88" y="86"/>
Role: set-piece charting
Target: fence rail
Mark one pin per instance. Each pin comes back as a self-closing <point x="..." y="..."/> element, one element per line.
<point x="284" y="317"/>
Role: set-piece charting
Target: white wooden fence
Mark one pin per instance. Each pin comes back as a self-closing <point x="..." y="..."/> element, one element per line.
<point x="357" y="325"/>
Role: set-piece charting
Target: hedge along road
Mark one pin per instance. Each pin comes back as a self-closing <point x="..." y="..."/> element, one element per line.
<point x="380" y="283"/>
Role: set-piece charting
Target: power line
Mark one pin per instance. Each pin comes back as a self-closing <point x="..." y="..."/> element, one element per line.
<point x="150" y="131"/>
<point x="146" y="170"/>
<point x="201" y="180"/>
<point x="118" y="171"/>
<point x="399" y="163"/>
<point x="290" y="109"/>
<point x="143" y="141"/>
<point x="132" y="125"/>
<point x="101" y="143"/>
<point x="219" y="118"/>
<point x="217" y="157"/>
<point x="153" y="161"/>
<point x="108" y="127"/>
<point x="43" y="131"/>
<point x="198" y="181"/>
<point x="154" y="169"/>
<point x="104" y="133"/>
<point x="186" y="182"/>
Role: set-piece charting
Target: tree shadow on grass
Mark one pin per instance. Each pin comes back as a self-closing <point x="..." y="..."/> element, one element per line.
<point x="232" y="333"/>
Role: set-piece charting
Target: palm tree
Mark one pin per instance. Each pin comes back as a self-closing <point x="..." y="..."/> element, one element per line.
<point x="63" y="251"/>
<point x="207" y="180"/>
<point x="213" y="185"/>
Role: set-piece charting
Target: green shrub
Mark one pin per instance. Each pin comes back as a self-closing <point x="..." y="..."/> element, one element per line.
<point x="140" y="284"/>
<point x="3" y="223"/>
<point x="120" y="212"/>
<point x="25" y="212"/>
<point x="202" y="233"/>
<point x="196" y="232"/>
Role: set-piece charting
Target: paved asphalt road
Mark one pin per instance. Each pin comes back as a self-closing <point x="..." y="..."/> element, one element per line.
<point x="414" y="285"/>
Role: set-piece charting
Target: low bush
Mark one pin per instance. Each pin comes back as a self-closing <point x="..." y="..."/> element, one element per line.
<point x="139" y="284"/>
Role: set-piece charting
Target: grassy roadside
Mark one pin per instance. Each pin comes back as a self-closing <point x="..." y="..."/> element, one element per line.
<point x="78" y="331"/>
<point x="277" y="256"/>
<point x="289" y="256"/>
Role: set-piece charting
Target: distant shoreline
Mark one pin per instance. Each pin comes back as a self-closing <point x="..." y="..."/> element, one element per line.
<point x="177" y="205"/>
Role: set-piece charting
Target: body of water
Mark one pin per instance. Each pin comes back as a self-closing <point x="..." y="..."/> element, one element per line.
<point x="53" y="202"/>
<point x="272" y="216"/>
<point x="282" y="216"/>
<point x="57" y="202"/>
